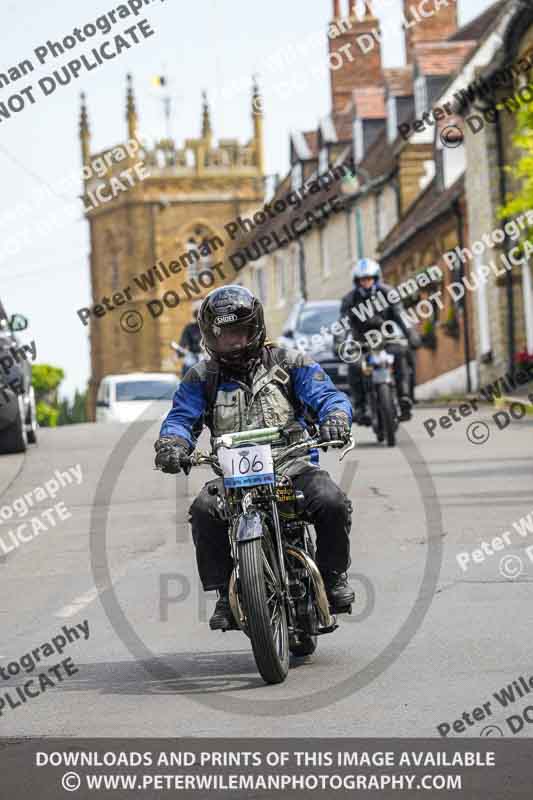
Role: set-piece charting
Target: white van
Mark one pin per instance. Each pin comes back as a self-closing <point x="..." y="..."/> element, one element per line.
<point x="124" y="398"/>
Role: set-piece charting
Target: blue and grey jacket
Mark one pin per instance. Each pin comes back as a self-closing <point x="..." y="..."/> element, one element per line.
<point x="283" y="386"/>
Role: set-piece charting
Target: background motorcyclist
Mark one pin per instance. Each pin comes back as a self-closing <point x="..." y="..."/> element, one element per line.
<point x="367" y="282"/>
<point x="191" y="338"/>
<point x="248" y="383"/>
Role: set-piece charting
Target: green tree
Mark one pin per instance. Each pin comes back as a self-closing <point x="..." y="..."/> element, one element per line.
<point x="45" y="380"/>
<point x="73" y="412"/>
<point x="522" y="171"/>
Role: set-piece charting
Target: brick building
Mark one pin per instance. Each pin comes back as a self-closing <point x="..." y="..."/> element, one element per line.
<point x="177" y="214"/>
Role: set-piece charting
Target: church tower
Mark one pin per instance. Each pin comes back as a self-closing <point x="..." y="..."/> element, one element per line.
<point x="157" y="235"/>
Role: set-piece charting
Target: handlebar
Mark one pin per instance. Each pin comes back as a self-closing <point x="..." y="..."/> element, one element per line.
<point x="262" y="436"/>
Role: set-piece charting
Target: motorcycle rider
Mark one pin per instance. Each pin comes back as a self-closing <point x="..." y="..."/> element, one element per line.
<point x="249" y="383"/>
<point x="366" y="276"/>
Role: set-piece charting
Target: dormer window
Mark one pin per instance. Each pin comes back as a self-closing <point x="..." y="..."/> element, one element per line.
<point x="297" y="176"/>
<point x="358" y="140"/>
<point x="392" y="119"/>
<point x="421" y="96"/>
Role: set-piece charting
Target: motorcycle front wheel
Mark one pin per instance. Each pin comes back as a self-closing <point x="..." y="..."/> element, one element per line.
<point x="264" y="609"/>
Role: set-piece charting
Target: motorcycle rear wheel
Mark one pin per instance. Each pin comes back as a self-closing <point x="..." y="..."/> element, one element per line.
<point x="265" y="611"/>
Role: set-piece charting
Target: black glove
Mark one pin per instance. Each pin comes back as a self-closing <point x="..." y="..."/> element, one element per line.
<point x="336" y="426"/>
<point x="170" y="451"/>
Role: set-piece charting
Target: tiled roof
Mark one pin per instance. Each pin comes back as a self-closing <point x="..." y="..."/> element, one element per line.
<point x="369" y="102"/>
<point x="441" y="58"/>
<point x="430" y="205"/>
<point x="399" y="81"/>
<point x="380" y="157"/>
<point x="476" y="28"/>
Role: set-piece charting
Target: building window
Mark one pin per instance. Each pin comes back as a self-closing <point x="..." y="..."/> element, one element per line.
<point x="324" y="252"/>
<point x="392" y="119"/>
<point x="323" y="160"/>
<point x="297" y="176"/>
<point x="421" y="96"/>
<point x="281" y="279"/>
<point x="358" y="142"/>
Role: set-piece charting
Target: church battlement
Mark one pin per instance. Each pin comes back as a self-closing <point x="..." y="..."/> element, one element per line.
<point x="200" y="156"/>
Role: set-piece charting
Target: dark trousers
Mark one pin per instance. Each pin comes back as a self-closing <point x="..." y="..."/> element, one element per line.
<point x="326" y="507"/>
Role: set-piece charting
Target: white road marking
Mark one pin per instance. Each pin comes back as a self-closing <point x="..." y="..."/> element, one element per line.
<point x="86" y="599"/>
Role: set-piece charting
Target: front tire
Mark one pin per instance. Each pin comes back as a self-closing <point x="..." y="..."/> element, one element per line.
<point x="386" y="413"/>
<point x="14" y="439"/>
<point x="265" y="612"/>
<point x="31" y="423"/>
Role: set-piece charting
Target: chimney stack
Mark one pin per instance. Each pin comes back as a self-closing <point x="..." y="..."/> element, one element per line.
<point x="354" y="54"/>
<point x="436" y="28"/>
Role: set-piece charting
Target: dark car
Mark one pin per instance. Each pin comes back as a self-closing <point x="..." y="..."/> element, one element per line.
<point x="18" y="419"/>
<point x="308" y="328"/>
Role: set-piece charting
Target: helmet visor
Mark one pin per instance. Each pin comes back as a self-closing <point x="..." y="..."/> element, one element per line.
<point x="231" y="341"/>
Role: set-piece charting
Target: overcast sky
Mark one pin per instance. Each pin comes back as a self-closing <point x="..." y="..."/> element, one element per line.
<point x="215" y="45"/>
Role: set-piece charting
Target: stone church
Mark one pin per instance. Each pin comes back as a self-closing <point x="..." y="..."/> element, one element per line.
<point x="157" y="227"/>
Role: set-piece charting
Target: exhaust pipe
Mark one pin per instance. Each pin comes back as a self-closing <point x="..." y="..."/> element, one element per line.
<point x="326" y="618"/>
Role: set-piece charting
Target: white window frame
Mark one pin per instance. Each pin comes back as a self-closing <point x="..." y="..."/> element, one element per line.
<point x="358" y="140"/>
<point x="323" y="160"/>
<point x="297" y="176"/>
<point x="421" y="95"/>
<point x="392" y="118"/>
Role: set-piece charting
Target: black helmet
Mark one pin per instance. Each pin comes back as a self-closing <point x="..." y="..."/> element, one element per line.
<point x="232" y="323"/>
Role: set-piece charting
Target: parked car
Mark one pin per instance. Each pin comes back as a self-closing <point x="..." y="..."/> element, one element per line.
<point x="303" y="330"/>
<point x="124" y="398"/>
<point x="18" y="416"/>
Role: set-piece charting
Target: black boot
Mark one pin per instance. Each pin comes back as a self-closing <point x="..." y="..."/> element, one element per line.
<point x="340" y="593"/>
<point x="361" y="415"/>
<point x="222" y="619"/>
<point x="405" y="409"/>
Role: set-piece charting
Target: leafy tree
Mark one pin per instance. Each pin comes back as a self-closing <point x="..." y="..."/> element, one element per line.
<point x="46" y="415"/>
<point x="522" y="170"/>
<point x="45" y="379"/>
<point x="72" y="413"/>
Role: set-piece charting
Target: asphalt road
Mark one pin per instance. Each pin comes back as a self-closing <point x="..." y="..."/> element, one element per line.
<point x="427" y="640"/>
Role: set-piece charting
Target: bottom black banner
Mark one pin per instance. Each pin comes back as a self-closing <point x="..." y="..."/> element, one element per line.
<point x="473" y="769"/>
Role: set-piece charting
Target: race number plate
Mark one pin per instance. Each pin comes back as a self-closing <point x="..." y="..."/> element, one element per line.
<point x="247" y="466"/>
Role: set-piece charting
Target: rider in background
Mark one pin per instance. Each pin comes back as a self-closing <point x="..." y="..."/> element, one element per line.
<point x="249" y="383"/>
<point x="191" y="338"/>
<point x="366" y="276"/>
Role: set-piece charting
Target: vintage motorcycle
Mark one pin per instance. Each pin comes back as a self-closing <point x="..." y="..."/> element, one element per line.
<point x="277" y="594"/>
<point x="377" y="366"/>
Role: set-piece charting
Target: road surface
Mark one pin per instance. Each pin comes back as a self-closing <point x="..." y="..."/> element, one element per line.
<point x="428" y="640"/>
